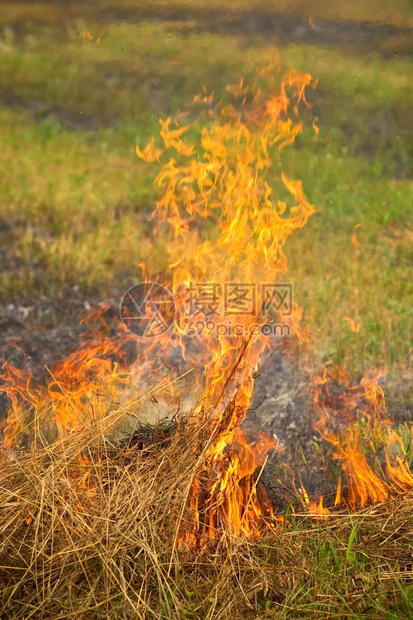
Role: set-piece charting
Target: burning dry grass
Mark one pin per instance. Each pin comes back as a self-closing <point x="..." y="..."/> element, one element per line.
<point x="90" y="530"/>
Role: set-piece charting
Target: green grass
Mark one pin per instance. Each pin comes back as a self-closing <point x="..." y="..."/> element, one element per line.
<point x="74" y="111"/>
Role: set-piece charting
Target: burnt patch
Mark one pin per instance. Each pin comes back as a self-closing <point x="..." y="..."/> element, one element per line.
<point x="387" y="39"/>
<point x="40" y="110"/>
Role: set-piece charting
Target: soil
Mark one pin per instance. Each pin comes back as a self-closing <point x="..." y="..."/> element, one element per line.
<point x="41" y="110"/>
<point x="39" y="332"/>
<point x="42" y="331"/>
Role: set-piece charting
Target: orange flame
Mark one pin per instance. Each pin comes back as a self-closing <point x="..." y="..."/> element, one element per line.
<point x="221" y="180"/>
<point x="367" y="481"/>
<point x="355" y="327"/>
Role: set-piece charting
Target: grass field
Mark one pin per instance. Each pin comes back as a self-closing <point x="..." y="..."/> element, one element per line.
<point x="75" y="110"/>
<point x="80" y="85"/>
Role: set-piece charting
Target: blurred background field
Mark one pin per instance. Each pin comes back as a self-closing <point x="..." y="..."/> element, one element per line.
<point x="81" y="83"/>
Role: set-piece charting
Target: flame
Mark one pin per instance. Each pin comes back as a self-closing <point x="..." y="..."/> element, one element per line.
<point x="366" y="431"/>
<point x="317" y="130"/>
<point x="88" y="36"/>
<point x="225" y="490"/>
<point x="221" y="180"/>
<point x="317" y="509"/>
<point x="355" y="327"/>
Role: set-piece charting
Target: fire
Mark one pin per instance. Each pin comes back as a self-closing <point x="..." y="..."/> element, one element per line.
<point x="222" y="181"/>
<point x="224" y="220"/>
<point x="317" y="509"/>
<point x="366" y="432"/>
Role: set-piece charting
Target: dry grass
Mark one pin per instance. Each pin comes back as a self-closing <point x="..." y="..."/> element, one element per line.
<point x="90" y="531"/>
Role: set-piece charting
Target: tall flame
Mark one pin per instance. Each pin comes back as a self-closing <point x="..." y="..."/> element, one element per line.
<point x="227" y="227"/>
